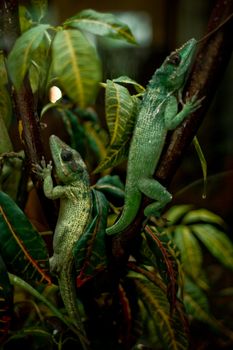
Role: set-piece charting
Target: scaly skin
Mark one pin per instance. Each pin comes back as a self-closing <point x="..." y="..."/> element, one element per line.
<point x="74" y="215"/>
<point x="158" y="114"/>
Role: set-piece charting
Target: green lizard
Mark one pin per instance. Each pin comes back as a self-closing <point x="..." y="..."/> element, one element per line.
<point x="158" y="114"/>
<point x="74" y="214"/>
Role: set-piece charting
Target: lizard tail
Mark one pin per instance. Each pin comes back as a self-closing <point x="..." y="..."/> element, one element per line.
<point x="132" y="204"/>
<point x="68" y="294"/>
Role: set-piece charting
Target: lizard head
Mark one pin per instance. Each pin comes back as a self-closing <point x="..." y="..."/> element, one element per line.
<point x="68" y="163"/>
<point x="174" y="70"/>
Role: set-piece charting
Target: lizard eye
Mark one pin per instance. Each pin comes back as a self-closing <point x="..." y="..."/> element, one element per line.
<point x="174" y="59"/>
<point x="66" y="155"/>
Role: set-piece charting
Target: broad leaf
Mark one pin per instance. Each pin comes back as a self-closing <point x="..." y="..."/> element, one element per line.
<point x="191" y="254"/>
<point x="176" y="213"/>
<point x="204" y="215"/>
<point x="40" y="65"/>
<point x="5" y="106"/>
<point x="171" y="331"/>
<point x="25" y="19"/>
<point x="3" y="72"/>
<point x="76" y="65"/>
<point x="119" y="107"/>
<point x="104" y="24"/>
<point x="22" y="248"/>
<point x="39" y="8"/>
<point x="19" y="59"/>
<point x="166" y="258"/>
<point x="196" y="304"/>
<point x="96" y="139"/>
<point x="128" y="81"/>
<point x="90" y="250"/>
<point x="6" y="300"/>
<point x="121" y="111"/>
<point x="111" y="186"/>
<point x="216" y="242"/>
<point x="75" y="131"/>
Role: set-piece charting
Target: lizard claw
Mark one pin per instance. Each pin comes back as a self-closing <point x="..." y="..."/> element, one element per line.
<point x="42" y="170"/>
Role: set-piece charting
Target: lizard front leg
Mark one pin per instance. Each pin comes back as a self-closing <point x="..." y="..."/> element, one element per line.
<point x="44" y="171"/>
<point x="154" y="190"/>
<point x="172" y="117"/>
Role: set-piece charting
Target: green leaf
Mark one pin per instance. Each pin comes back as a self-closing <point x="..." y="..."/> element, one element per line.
<point x="3" y="72"/>
<point x="40" y="65"/>
<point x="39" y="8"/>
<point x="119" y="106"/>
<point x="196" y="304"/>
<point x="104" y="24"/>
<point x="203" y="164"/>
<point x="22" y="248"/>
<point x="24" y="19"/>
<point x="128" y="81"/>
<point x="166" y="258"/>
<point x="96" y="139"/>
<point x="76" y="66"/>
<point x="198" y="215"/>
<point x="176" y="213"/>
<point x="17" y="281"/>
<point x="171" y="331"/>
<point x="19" y="59"/>
<point x="5" y="106"/>
<point x="111" y="185"/>
<point x="90" y="250"/>
<point x="191" y="254"/>
<point x="121" y="110"/>
<point x="6" y="300"/>
<point x="216" y="242"/>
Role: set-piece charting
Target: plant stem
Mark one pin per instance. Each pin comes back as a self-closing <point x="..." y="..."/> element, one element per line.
<point x="24" y="103"/>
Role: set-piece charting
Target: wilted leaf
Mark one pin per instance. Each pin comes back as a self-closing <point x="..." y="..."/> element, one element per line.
<point x="104" y="24"/>
<point x="22" y="248"/>
<point x="19" y="59"/>
<point x="76" y="65"/>
<point x="216" y="242"/>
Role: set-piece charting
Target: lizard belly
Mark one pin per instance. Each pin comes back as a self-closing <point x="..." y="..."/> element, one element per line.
<point x="71" y="223"/>
<point x="143" y="160"/>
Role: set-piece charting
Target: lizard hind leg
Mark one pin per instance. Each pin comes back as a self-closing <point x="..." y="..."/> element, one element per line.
<point x="154" y="190"/>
